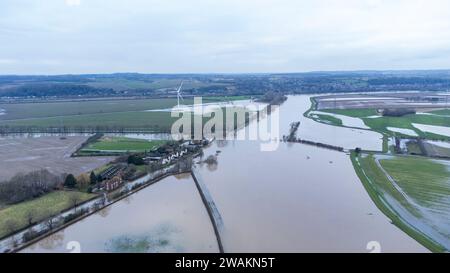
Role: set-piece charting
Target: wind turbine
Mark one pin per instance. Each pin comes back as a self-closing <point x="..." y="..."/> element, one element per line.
<point x="179" y="94"/>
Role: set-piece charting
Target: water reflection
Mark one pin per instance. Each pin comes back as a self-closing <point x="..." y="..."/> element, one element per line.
<point x="163" y="238"/>
<point x="52" y="242"/>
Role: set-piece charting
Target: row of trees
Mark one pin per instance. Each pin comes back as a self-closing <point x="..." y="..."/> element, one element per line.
<point x="82" y="182"/>
<point x="23" y="187"/>
<point x="26" y="186"/>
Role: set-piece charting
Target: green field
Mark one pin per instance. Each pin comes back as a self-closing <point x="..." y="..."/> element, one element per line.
<point x="140" y="121"/>
<point x="42" y="207"/>
<point x="327" y="119"/>
<point x="425" y="181"/>
<point x="122" y="144"/>
<point x="445" y="112"/>
<point x="56" y="109"/>
<point x="95" y="115"/>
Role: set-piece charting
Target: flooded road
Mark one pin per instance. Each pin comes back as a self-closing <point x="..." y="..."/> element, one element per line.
<point x="168" y="216"/>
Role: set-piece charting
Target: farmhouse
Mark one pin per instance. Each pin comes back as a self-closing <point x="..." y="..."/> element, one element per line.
<point x="113" y="183"/>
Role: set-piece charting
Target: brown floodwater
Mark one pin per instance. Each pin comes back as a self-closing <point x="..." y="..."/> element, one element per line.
<point x="168" y="216"/>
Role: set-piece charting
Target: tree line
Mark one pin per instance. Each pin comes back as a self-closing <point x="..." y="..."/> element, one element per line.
<point x="23" y="187"/>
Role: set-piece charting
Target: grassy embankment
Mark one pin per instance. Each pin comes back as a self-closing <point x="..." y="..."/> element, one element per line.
<point x="41" y="208"/>
<point x="121" y="145"/>
<point x="410" y="173"/>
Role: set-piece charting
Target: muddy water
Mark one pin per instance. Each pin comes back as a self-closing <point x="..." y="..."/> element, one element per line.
<point x="168" y="216"/>
<point x="295" y="106"/>
<point x="298" y="198"/>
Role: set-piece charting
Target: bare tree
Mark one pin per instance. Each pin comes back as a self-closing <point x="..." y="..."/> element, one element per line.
<point x="74" y="200"/>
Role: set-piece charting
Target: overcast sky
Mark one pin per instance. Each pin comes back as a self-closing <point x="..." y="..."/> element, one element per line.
<point x="231" y="36"/>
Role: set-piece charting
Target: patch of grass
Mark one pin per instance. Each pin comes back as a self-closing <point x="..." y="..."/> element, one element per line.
<point x="441" y="112"/>
<point x="42" y="207"/>
<point x="327" y="119"/>
<point x="123" y="144"/>
<point x="99" y="170"/>
<point x="413" y="148"/>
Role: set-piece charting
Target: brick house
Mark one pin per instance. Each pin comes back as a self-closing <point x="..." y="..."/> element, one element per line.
<point x="113" y="183"/>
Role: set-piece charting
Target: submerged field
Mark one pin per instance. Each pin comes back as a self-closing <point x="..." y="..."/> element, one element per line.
<point x="412" y="191"/>
<point x="405" y="126"/>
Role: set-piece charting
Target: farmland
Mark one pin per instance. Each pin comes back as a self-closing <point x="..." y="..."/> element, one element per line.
<point x="382" y="123"/>
<point x="425" y="180"/>
<point x="151" y="115"/>
<point x="412" y="192"/>
<point x="16" y="111"/>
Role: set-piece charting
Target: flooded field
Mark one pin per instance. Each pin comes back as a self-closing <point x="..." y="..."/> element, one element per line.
<point x="438" y="130"/>
<point x="295" y="106"/>
<point x="168" y="216"/>
<point x="405" y="99"/>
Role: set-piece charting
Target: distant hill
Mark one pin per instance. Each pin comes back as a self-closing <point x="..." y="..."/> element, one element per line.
<point x="164" y="85"/>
